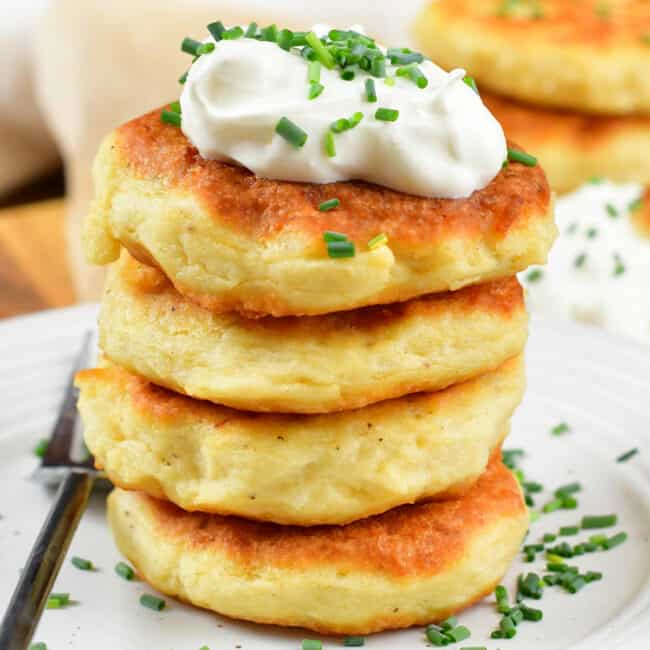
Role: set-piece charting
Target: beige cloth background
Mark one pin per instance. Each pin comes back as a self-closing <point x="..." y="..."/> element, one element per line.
<point x="99" y="63"/>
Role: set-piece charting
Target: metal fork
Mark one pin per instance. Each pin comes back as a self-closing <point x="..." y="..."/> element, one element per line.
<point x="66" y="463"/>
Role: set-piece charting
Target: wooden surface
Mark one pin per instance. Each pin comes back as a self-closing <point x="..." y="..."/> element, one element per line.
<point x="33" y="270"/>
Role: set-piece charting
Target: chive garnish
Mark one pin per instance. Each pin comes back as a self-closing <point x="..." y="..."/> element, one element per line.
<point x="627" y="455"/>
<point x="53" y="603"/>
<point x="347" y="74"/>
<point x="269" y="33"/>
<point x="41" y="447"/>
<point x="501" y="594"/>
<point x="152" y="602"/>
<point x="124" y="571"/>
<point x="63" y="598"/>
<point x="386" y="114"/>
<point x="378" y="240"/>
<point x="80" y="563"/>
<point x="592" y="232"/>
<point x="580" y="260"/>
<point x="413" y="73"/>
<point x="38" y="646"/>
<point x="378" y="67"/>
<point x="598" y="521"/>
<point x="251" y="30"/>
<point x="569" y="530"/>
<point x="459" y="633"/>
<point x="311" y="644"/>
<point x="170" y="117"/>
<point x="190" y="46"/>
<point x="619" y="267"/>
<point x="322" y="53"/>
<point x="216" y="30"/>
<point x="389" y="81"/>
<point x="315" y="89"/>
<point x="371" y="93"/>
<point x="183" y="78"/>
<point x="330" y="146"/>
<point x="340" y="249"/>
<point x="569" y="488"/>
<point x="330" y="204"/>
<point x="340" y="125"/>
<point x="331" y="236"/>
<point x="515" y="155"/>
<point x="205" y="48"/>
<point x="471" y="83"/>
<point x="611" y="210"/>
<point x="355" y="119"/>
<point x="508" y="627"/>
<point x="313" y="72"/>
<point x="535" y="275"/>
<point x="299" y="39"/>
<point x="435" y="636"/>
<point x="285" y="39"/>
<point x="354" y="642"/>
<point x="291" y="132"/>
<point x="561" y="428"/>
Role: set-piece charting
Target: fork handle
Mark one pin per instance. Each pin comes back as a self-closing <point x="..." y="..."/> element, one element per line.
<point x="29" y="598"/>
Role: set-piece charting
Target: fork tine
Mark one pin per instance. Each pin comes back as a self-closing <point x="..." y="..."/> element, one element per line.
<point x="59" y="450"/>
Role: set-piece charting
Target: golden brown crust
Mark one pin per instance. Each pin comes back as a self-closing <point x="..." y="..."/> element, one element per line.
<point x="266" y="209"/>
<point x="533" y="124"/>
<point x="593" y="23"/>
<point x="416" y="540"/>
<point x="503" y="297"/>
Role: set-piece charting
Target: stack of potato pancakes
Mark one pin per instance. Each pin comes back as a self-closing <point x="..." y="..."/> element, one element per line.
<point x="297" y="439"/>
<point x="571" y="78"/>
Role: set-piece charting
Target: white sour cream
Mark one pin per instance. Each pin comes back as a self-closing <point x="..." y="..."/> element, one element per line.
<point x="599" y="267"/>
<point x="445" y="142"/>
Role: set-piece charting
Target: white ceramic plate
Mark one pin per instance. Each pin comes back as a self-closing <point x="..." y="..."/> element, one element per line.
<point x="598" y="384"/>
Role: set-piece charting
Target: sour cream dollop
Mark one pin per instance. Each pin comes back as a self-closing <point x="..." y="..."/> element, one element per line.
<point x="599" y="267"/>
<point x="445" y="143"/>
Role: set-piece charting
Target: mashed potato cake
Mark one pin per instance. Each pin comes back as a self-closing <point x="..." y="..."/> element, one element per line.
<point x="309" y="364"/>
<point x="584" y="55"/>
<point x="232" y="241"/>
<point x="295" y="469"/>
<point x="572" y="147"/>
<point x="412" y="565"/>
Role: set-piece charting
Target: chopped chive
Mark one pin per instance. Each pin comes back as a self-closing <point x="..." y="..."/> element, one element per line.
<point x="561" y="428"/>
<point x="354" y="642"/>
<point x="330" y="204"/>
<point x="572" y="229"/>
<point x="435" y="636"/>
<point x="339" y="249"/>
<point x="611" y="210"/>
<point x="330" y="145"/>
<point x="340" y="125"/>
<point x="627" y="455"/>
<point x="378" y="67"/>
<point x="531" y="486"/>
<point x="190" y="46"/>
<point x="573" y="584"/>
<point x="313" y="72"/>
<point x="378" y="240"/>
<point x="371" y="93"/>
<point x="473" y="647"/>
<point x="592" y="232"/>
<point x="285" y="39"/>
<point x="549" y="537"/>
<point x="598" y="540"/>
<point x="497" y="634"/>
<point x="355" y="119"/>
<point x="508" y="628"/>
<point x="516" y="615"/>
<point x="170" y="117"/>
<point x="233" y="33"/>
<point x="535" y="275"/>
<point x="580" y="260"/>
<point x="568" y="502"/>
<point x="175" y="107"/>
<point x="611" y="542"/>
<point x="449" y="623"/>
<point x="593" y="576"/>
<point x="152" y="602"/>
<point x="80" y="563"/>
<point x="299" y="39"/>
<point x="404" y="58"/>
<point x="291" y="132"/>
<point x="569" y="530"/>
<point x="619" y="267"/>
<point x="386" y="114"/>
<point x="535" y="548"/>
<point x="414" y="74"/>
<point x="322" y="53"/>
<point x="308" y="53"/>
<point x="471" y="83"/>
<point x="347" y="74"/>
<point x="569" y="488"/>
<point x="269" y="33"/>
<point x="315" y="89"/>
<point x="389" y="81"/>
<point x="38" y="646"/>
<point x="635" y="205"/>
<point x="311" y="644"/>
<point x="459" y="633"/>
<point x="183" y="78"/>
<point x="205" y="48"/>
<point x="41" y="448"/>
<point x="501" y="594"/>
<point x="598" y="521"/>
<point x="555" y="563"/>
<point x="331" y="235"/>
<point x="251" y="30"/>
<point x="124" y="571"/>
<point x="53" y="603"/>
<point x="217" y="29"/>
<point x="63" y="598"/>
<point x="515" y="155"/>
